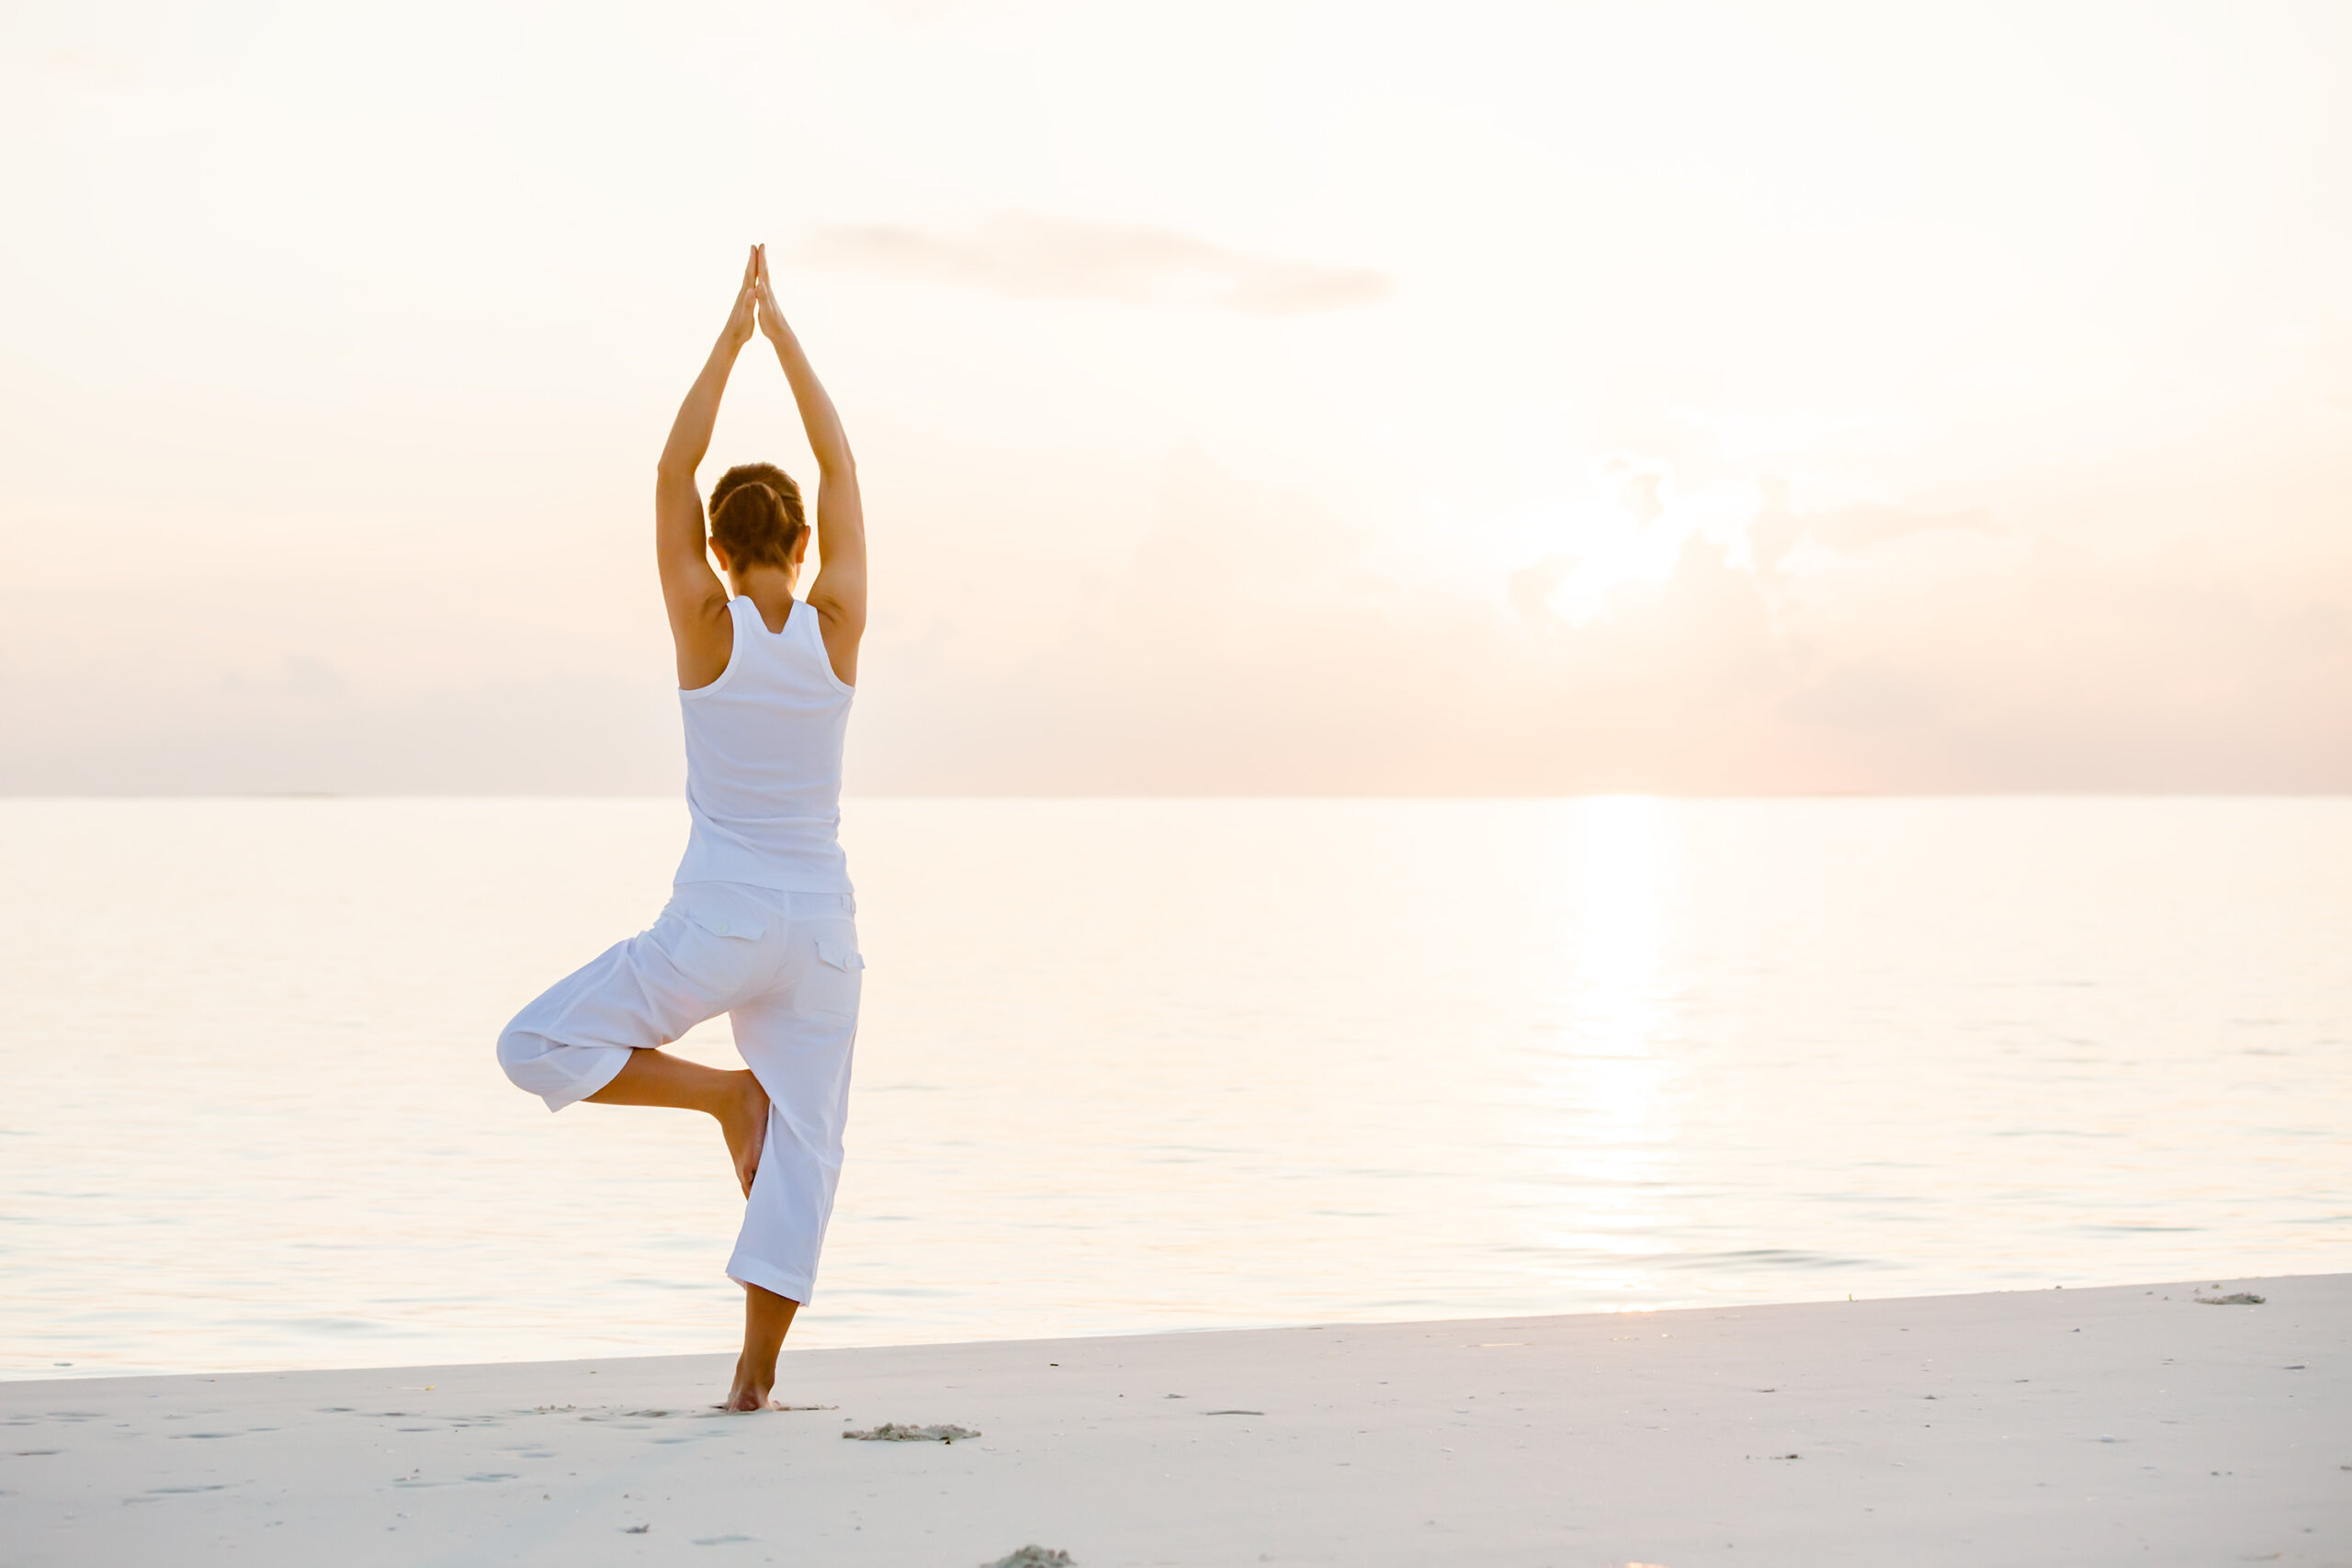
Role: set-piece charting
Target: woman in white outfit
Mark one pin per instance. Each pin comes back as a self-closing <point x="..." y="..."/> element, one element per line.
<point x="761" y="924"/>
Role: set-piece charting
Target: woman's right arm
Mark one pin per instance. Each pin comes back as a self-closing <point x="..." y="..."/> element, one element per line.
<point x="838" y="595"/>
<point x="696" y="600"/>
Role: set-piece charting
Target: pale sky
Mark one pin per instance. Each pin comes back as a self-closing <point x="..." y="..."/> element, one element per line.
<point x="1249" y="399"/>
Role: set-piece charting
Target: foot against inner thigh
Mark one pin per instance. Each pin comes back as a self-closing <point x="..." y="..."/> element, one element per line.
<point x="744" y="1121"/>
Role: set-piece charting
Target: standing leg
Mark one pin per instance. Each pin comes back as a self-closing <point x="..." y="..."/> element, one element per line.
<point x="800" y="1039"/>
<point x="768" y="1318"/>
<point x="736" y="1099"/>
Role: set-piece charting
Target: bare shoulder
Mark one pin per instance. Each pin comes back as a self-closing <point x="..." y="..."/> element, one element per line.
<point x="842" y="631"/>
<point x="702" y="628"/>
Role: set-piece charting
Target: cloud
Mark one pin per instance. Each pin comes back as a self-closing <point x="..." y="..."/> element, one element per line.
<point x="1292" y="669"/>
<point x="1856" y="696"/>
<point x="1849" y="530"/>
<point x="1059" y="258"/>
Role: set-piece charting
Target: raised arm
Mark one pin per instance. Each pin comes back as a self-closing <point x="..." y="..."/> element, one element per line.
<point x="695" y="598"/>
<point x="838" y="595"/>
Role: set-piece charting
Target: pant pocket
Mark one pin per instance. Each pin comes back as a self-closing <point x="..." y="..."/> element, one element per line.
<point x="832" y="987"/>
<point x="714" y="948"/>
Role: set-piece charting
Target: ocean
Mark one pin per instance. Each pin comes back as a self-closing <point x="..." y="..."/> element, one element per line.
<point x="1173" y="1064"/>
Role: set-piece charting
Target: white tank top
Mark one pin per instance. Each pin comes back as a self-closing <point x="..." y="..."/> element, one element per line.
<point x="764" y="760"/>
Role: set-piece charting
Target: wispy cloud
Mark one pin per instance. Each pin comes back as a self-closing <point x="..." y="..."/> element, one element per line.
<point x="1777" y="529"/>
<point x="1053" y="257"/>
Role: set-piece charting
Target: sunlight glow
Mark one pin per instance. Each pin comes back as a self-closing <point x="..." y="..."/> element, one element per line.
<point x="1610" y="1080"/>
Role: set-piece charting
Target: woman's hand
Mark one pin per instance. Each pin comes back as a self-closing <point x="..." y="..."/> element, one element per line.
<point x="770" y="314"/>
<point x="739" y="319"/>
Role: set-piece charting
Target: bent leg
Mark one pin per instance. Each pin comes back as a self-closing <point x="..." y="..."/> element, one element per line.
<point x="595" y="1034"/>
<point x="557" y="1073"/>
<point x="576" y="1037"/>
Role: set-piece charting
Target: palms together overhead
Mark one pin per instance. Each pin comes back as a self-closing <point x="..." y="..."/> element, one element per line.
<point x="739" y="319"/>
<point x="771" y="313"/>
<point x="756" y="301"/>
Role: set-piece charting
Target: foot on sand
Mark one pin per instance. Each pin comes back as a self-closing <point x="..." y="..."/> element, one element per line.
<point x="747" y="1392"/>
<point x="745" y="1123"/>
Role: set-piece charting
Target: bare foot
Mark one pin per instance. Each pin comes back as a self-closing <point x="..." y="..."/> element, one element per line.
<point x="767" y="1318"/>
<point x="745" y="1393"/>
<point x="745" y="1123"/>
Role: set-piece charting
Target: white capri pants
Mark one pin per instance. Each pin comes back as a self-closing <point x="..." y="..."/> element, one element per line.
<point x="784" y="967"/>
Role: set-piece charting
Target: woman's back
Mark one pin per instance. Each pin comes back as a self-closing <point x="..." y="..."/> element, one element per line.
<point x="763" y="760"/>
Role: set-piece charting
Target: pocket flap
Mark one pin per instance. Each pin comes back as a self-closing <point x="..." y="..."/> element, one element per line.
<point x="729" y="922"/>
<point x="840" y="955"/>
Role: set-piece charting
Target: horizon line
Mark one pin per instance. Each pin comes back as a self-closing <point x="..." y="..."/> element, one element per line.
<point x="1633" y="793"/>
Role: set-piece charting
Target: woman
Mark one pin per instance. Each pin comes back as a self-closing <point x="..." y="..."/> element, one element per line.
<point x="760" y="924"/>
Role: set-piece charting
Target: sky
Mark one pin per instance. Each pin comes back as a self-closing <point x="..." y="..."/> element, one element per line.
<point x="1251" y="399"/>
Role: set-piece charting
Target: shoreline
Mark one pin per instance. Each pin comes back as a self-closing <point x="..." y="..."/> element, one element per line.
<point x="21" y="1378"/>
<point x="2059" y="1425"/>
<point x="30" y="1376"/>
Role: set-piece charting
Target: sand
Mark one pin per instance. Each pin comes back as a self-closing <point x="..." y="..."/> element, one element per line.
<point x="2128" y="1424"/>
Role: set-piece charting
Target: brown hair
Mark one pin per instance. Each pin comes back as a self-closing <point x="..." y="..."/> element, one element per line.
<point x="755" y="515"/>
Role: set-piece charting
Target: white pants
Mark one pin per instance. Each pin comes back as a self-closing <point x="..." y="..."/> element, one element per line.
<point x="784" y="967"/>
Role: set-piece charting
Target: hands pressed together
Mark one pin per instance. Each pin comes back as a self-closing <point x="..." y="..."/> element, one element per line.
<point x="756" y="301"/>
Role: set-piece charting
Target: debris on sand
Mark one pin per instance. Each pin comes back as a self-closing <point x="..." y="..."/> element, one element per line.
<point x="2234" y="1299"/>
<point x="1031" y="1557"/>
<point x="898" y="1432"/>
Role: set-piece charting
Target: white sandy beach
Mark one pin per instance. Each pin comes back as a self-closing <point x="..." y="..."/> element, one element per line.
<point x="2057" y="1427"/>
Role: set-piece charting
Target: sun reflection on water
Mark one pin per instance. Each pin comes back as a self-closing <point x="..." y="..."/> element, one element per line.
<point x="1603" y="1087"/>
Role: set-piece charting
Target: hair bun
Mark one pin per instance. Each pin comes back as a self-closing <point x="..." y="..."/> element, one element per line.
<point x="756" y="521"/>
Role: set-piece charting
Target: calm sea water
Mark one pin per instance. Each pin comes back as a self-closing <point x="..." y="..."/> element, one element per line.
<point x="1139" y="1064"/>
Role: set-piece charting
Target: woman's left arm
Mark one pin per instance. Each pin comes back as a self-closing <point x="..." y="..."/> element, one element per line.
<point x="699" y="623"/>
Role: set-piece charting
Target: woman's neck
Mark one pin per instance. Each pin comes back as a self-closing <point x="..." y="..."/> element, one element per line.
<point x="769" y="588"/>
